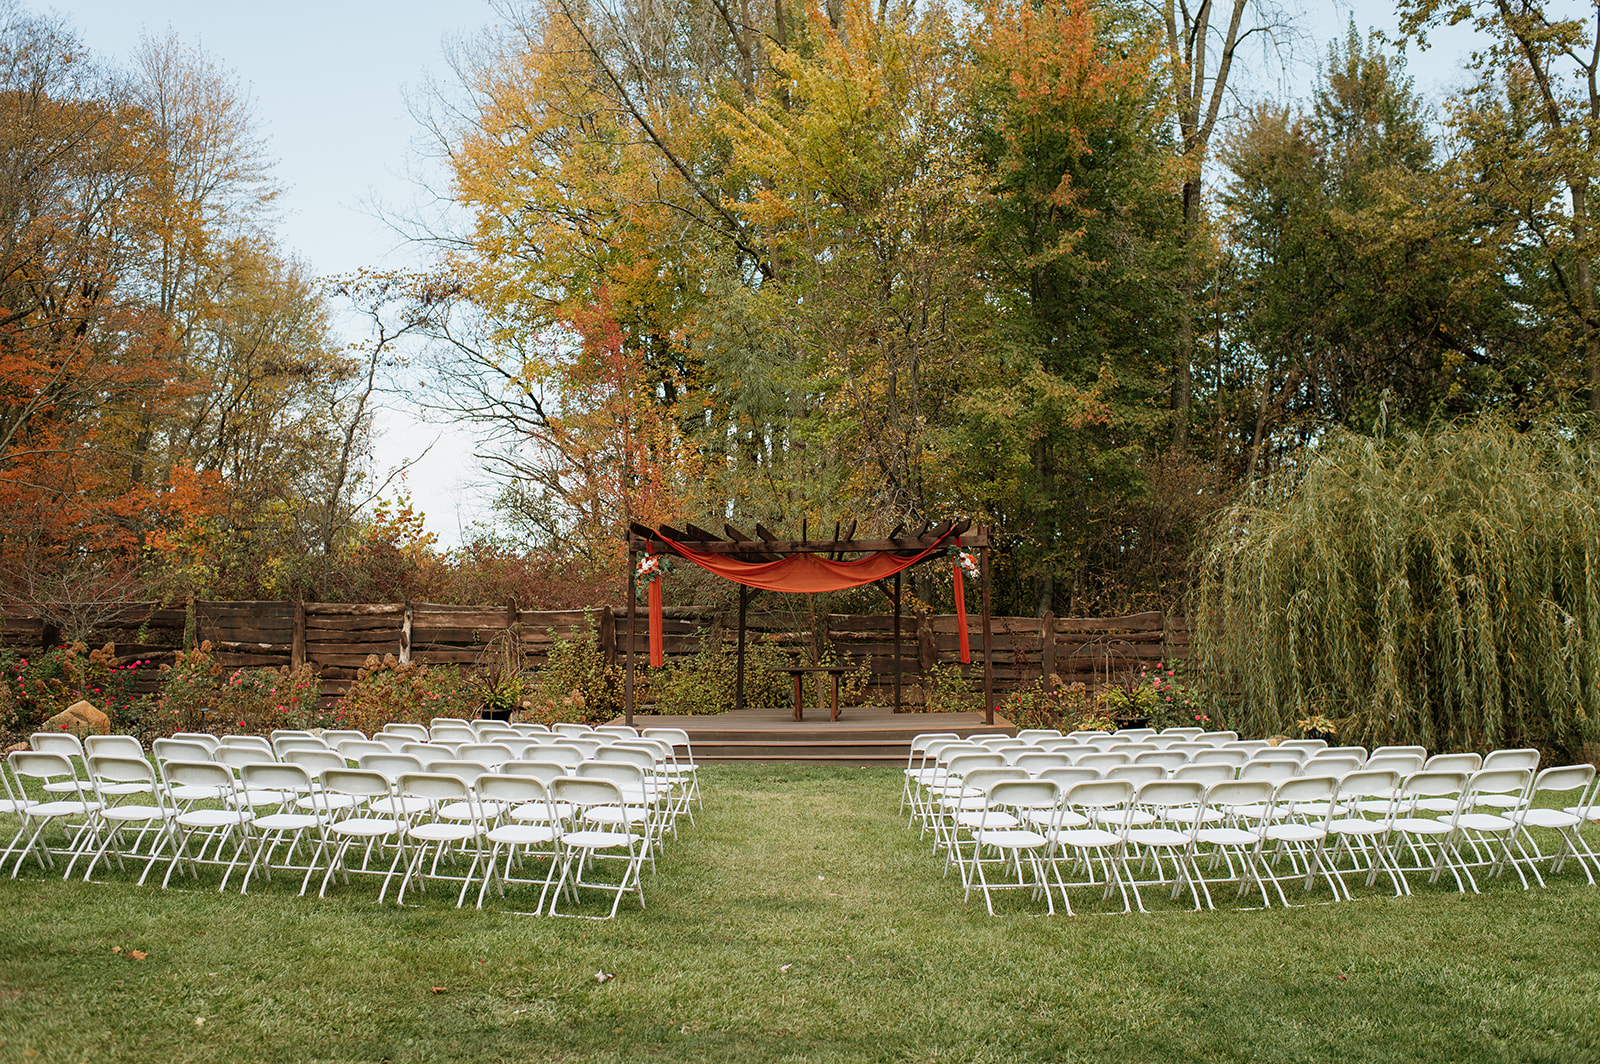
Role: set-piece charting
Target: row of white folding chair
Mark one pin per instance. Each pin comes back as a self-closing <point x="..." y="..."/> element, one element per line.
<point x="1232" y="822"/>
<point x="202" y="798"/>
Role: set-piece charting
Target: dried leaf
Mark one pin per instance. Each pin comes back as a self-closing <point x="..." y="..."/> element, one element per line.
<point x="137" y="954"/>
<point x="438" y="990"/>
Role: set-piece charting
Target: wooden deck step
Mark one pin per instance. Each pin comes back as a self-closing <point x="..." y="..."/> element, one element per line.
<point x="865" y="735"/>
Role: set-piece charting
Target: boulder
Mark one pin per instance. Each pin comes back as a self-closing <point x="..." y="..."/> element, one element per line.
<point x="81" y="719"/>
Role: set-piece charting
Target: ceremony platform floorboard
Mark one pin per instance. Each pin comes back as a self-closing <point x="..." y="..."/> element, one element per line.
<point x="863" y="735"/>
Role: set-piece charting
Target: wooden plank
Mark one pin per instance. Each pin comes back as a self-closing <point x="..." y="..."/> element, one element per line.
<point x="353" y="624"/>
<point x="353" y="609"/>
<point x="1133" y="621"/>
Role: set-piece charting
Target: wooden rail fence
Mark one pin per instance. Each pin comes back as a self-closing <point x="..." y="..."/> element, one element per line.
<point x="339" y="637"/>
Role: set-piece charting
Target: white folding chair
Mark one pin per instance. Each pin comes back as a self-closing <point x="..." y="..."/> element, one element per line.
<point x="348" y="825"/>
<point x="129" y="796"/>
<point x="1177" y="807"/>
<point x="529" y="827"/>
<point x="208" y="815"/>
<point x="1096" y="834"/>
<point x="68" y="809"/>
<point x="298" y="818"/>
<point x="1567" y="823"/>
<point x="604" y="830"/>
<point x="1014" y="799"/>
<point x="449" y="826"/>
<point x="1231" y="834"/>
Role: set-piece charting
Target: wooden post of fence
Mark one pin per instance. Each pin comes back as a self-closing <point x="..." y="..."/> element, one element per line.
<point x="405" y="633"/>
<point x="1047" y="647"/>
<point x="297" y="641"/>
<point x="627" y="677"/>
<point x="606" y="633"/>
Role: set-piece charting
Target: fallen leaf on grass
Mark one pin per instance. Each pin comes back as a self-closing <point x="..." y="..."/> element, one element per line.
<point x="116" y="949"/>
<point x="438" y="990"/>
<point x="137" y="954"/>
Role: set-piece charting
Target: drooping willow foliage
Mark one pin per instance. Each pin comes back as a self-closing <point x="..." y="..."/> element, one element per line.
<point x="1438" y="588"/>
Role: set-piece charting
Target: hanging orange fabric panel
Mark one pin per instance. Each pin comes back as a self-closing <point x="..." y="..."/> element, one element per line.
<point x="961" y="615"/>
<point x="657" y="653"/>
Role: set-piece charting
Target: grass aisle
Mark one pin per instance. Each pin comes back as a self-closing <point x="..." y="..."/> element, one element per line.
<point x="799" y="921"/>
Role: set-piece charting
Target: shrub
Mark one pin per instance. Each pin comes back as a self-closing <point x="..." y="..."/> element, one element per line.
<point x="1156" y="696"/>
<point x="412" y="693"/>
<point x="1069" y="708"/>
<point x="190" y="685"/>
<point x="949" y="690"/>
<point x="259" y="701"/>
<point x="576" y="684"/>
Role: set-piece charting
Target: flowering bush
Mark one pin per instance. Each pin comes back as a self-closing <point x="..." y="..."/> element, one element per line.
<point x="259" y="701"/>
<point x="1157" y="696"/>
<point x="190" y="684"/>
<point x="386" y="691"/>
<point x="37" y="686"/>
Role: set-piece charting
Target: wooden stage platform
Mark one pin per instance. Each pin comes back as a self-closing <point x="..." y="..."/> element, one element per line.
<point x="863" y="735"/>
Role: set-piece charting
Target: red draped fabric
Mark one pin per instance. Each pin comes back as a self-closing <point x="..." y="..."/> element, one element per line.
<point x="961" y="615"/>
<point x="804" y="572"/>
<point x="798" y="572"/>
<point x="657" y="654"/>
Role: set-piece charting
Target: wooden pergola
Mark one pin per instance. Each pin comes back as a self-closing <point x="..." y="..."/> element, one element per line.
<point x="931" y="541"/>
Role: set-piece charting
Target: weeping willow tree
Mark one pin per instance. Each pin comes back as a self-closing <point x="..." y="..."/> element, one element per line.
<point x="1437" y="588"/>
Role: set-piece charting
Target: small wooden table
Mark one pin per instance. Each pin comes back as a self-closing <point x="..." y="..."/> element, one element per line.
<point x="800" y="671"/>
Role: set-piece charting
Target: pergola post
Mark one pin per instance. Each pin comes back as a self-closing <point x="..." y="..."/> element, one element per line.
<point x="988" y="635"/>
<point x="627" y="681"/>
<point x="738" y="682"/>
<point x="897" y="642"/>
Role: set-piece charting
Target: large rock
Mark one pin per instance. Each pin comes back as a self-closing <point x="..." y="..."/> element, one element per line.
<point x="80" y="719"/>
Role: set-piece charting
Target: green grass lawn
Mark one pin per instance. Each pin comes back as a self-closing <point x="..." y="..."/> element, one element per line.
<point x="798" y="920"/>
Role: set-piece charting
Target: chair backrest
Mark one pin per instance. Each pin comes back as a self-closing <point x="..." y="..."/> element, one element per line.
<point x="1084" y="736"/>
<point x="1023" y="794"/>
<point x="1249" y="746"/>
<point x="1230" y="795"/>
<point x="1499" y="781"/>
<point x="238" y="756"/>
<point x="429" y="751"/>
<point x="418" y="732"/>
<point x="1098" y="794"/>
<point x="1310" y="746"/>
<point x="44" y="765"/>
<point x="284" y="743"/>
<point x="1190" y="750"/>
<point x="390" y="765"/>
<point x="1207" y="772"/>
<point x="1268" y="770"/>
<point x="512" y="788"/>
<point x="434" y="786"/>
<point x="627" y="755"/>
<point x="1102" y="760"/>
<point x="1134" y="733"/>
<point x="588" y="792"/>
<point x="1166" y="759"/>
<point x="1526" y="758"/>
<point x="314" y="761"/>
<point x="585" y="747"/>
<point x="981" y="779"/>
<point x="1066" y="777"/>
<point x="618" y="729"/>
<point x="1187" y="733"/>
<point x="561" y="753"/>
<point x="1369" y="783"/>
<point x="275" y="776"/>
<point x="1221" y="755"/>
<point x="567" y="728"/>
<point x="393" y="740"/>
<point x="530" y="728"/>
<point x="465" y="771"/>
<point x="206" y="738"/>
<point x="1278" y="755"/>
<point x="1170" y="794"/>
<point x="352" y="749"/>
<point x="452" y="733"/>
<point x="1346" y="751"/>
<point x="1297" y="790"/>
<point x="246" y="742"/>
<point x="1465" y="763"/>
<point x="490" y="754"/>
<point x="56" y="742"/>
<point x="176" y="749"/>
<point x="544" y="771"/>
<point x="1560" y="778"/>
<point x="1432" y="783"/>
<point x="117" y="768"/>
<point x="1218" y="738"/>
<point x="113" y="746"/>
<point x="358" y="782"/>
<point x="1405" y="764"/>
<point x="1136" y="774"/>
<point x="1033" y="734"/>
<point x="1035" y="763"/>
<point x="1322" y="764"/>
<point x="963" y="763"/>
<point x="1384" y="751"/>
<point x="335" y="736"/>
<point x="210" y="774"/>
<point x="461" y="721"/>
<point x="618" y="772"/>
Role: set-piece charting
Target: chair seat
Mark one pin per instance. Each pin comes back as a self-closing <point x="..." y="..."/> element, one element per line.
<point x="1292" y="833"/>
<point x="365" y="826"/>
<point x="1485" y="822"/>
<point x="1420" y="826"/>
<point x="522" y="834"/>
<point x="1548" y="818"/>
<point x="444" y="831"/>
<point x="1226" y="837"/>
<point x="1087" y="838"/>
<point x="1357" y="826"/>
<point x="286" y="821"/>
<point x="990" y="820"/>
<point x="1013" y="839"/>
<point x="1163" y="838"/>
<point x="597" y="840"/>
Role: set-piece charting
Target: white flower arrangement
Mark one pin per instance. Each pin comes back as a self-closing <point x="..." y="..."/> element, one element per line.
<point x="969" y="564"/>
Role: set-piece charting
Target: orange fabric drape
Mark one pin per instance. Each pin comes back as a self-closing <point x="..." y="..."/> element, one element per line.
<point x="657" y="655"/>
<point x="804" y="572"/>
<point x="961" y="615"/>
